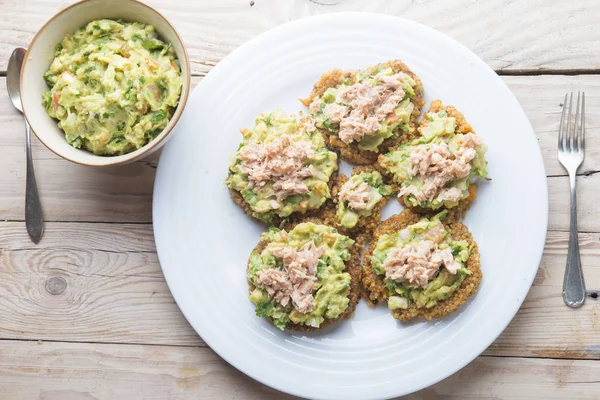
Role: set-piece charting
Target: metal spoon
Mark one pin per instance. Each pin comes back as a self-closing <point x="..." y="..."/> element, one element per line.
<point x="34" y="218"/>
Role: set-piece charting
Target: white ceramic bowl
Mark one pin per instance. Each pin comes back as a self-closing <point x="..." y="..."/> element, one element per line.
<point x="41" y="53"/>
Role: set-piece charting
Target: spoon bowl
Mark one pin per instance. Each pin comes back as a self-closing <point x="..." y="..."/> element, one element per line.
<point x="13" y="76"/>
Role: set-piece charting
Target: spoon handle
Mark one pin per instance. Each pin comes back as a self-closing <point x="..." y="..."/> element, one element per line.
<point x="34" y="218"/>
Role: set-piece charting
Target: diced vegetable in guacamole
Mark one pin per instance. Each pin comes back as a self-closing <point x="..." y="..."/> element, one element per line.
<point x="301" y="277"/>
<point x="422" y="264"/>
<point x="113" y="86"/>
<point x="358" y="196"/>
<point x="437" y="169"/>
<point x="280" y="168"/>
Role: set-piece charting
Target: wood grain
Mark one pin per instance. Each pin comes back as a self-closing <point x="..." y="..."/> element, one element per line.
<point x="68" y="371"/>
<point x="116" y="293"/>
<point x="59" y="371"/>
<point x="115" y="290"/>
<point x="510" y="41"/>
<point x="70" y="192"/>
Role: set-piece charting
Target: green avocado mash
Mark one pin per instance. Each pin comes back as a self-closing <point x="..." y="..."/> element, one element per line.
<point x="113" y="86"/>
<point x="268" y="198"/>
<point x="401" y="294"/>
<point x="390" y="126"/>
<point x="348" y="216"/>
<point x="439" y="129"/>
<point x="333" y="283"/>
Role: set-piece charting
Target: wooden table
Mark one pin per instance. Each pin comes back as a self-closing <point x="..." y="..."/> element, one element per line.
<point x="114" y="332"/>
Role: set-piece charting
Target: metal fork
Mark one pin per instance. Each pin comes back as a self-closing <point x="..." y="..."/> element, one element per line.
<point x="571" y="152"/>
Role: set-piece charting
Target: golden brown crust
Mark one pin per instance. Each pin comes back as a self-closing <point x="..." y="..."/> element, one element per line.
<point x="351" y="152"/>
<point x="353" y="267"/>
<point x="462" y="127"/>
<point x="332" y="78"/>
<point x="374" y="287"/>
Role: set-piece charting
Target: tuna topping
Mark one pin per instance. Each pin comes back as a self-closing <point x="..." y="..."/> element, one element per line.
<point x="280" y="161"/>
<point x="417" y="264"/>
<point x="434" y="165"/>
<point x="297" y="280"/>
<point x="359" y="196"/>
<point x="367" y="106"/>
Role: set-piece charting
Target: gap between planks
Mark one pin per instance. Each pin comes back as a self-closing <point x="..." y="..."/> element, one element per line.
<point x="150" y="223"/>
<point x="204" y="345"/>
<point x="501" y="72"/>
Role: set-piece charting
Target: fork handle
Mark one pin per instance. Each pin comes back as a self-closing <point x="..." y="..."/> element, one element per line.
<point x="34" y="218"/>
<point x="573" y="285"/>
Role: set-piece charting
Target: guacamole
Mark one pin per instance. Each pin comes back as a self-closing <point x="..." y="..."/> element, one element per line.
<point x="359" y="196"/>
<point x="423" y="279"/>
<point x="280" y="168"/>
<point x="286" y="256"/>
<point x="371" y="106"/>
<point x="437" y="169"/>
<point x="113" y="86"/>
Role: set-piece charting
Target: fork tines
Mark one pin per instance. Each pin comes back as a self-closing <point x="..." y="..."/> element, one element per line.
<point x="574" y="140"/>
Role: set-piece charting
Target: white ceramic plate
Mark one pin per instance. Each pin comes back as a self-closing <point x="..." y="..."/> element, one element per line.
<point x="204" y="240"/>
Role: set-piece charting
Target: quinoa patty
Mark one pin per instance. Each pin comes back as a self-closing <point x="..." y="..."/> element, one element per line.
<point x="352" y="267"/>
<point x="351" y="151"/>
<point x="375" y="289"/>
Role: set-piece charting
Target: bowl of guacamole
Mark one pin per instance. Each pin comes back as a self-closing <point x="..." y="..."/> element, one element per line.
<point x="105" y="82"/>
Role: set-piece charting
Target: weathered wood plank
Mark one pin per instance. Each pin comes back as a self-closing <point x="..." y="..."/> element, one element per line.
<point x="518" y="378"/>
<point x="66" y="371"/>
<point x="569" y="40"/>
<point x="71" y="192"/>
<point x="544" y="326"/>
<point x="115" y="293"/>
<point x="542" y="97"/>
<point x="62" y="371"/>
<point x="114" y="290"/>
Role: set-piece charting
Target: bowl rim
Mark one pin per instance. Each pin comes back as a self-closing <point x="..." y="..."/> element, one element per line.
<point x="148" y="147"/>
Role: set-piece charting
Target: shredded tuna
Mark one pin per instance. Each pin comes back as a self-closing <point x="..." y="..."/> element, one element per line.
<point x="281" y="162"/>
<point x="419" y="263"/>
<point x="334" y="112"/>
<point x="436" y="166"/>
<point x="297" y="279"/>
<point x="366" y="106"/>
<point x="309" y="125"/>
<point x="451" y="194"/>
<point x="357" y="195"/>
<point x="276" y="283"/>
<point x="354" y="127"/>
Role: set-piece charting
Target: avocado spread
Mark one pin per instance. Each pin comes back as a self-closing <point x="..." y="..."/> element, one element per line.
<point x="113" y="86"/>
<point x="421" y="264"/>
<point x="279" y="299"/>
